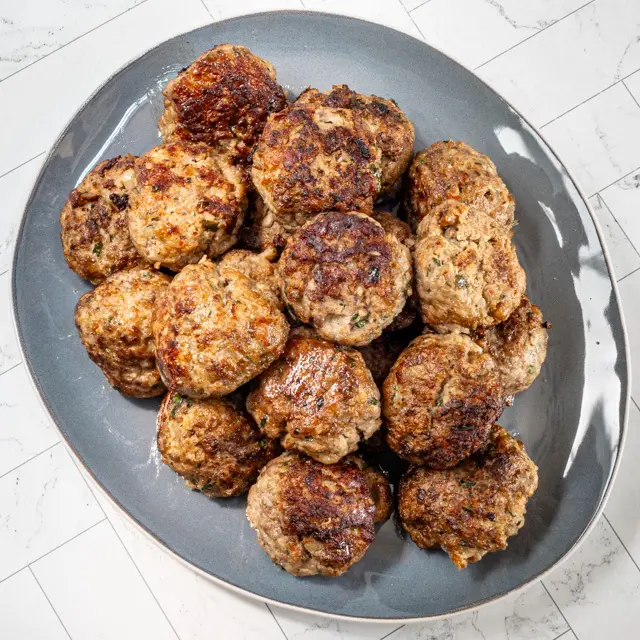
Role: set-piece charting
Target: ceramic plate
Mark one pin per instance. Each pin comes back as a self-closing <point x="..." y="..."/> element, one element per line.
<point x="571" y="420"/>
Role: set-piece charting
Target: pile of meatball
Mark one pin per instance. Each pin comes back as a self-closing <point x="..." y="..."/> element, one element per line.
<point x="301" y="333"/>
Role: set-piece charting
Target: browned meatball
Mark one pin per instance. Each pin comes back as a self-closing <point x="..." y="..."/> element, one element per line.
<point x="452" y="170"/>
<point x="344" y="275"/>
<point x="440" y="399"/>
<point x="212" y="444"/>
<point x="379" y="487"/>
<point x="312" y="158"/>
<point x="318" y="398"/>
<point x="215" y="332"/>
<point x="518" y="345"/>
<point x="474" y="508"/>
<point x="392" y="130"/>
<point x="223" y="99"/>
<point x="95" y="234"/>
<point x="312" y="518"/>
<point x="393" y="225"/>
<point x="467" y="270"/>
<point x="114" y="322"/>
<point x="189" y="202"/>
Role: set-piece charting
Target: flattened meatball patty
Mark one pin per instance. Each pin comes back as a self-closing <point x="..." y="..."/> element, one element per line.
<point x="467" y="270"/>
<point x="223" y="99"/>
<point x="312" y="158"/>
<point x="474" y="508"/>
<point x="212" y="444"/>
<point x="344" y="275"/>
<point x="312" y="518"/>
<point x="440" y="399"/>
<point x="189" y="202"/>
<point x="114" y="322"/>
<point x="95" y="234"/>
<point x="318" y="398"/>
<point x="518" y="345"/>
<point x="215" y="332"/>
<point x="392" y="130"/>
<point x="452" y="170"/>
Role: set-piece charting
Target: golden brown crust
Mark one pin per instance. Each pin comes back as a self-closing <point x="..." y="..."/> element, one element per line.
<point x="474" y="508"/>
<point x="95" y="234"/>
<point x="223" y="99"/>
<point x="440" y="399"/>
<point x="114" y="322"/>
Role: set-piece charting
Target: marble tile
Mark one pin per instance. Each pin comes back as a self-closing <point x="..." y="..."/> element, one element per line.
<point x="623" y="199"/>
<point x="9" y="351"/>
<point x="629" y="288"/>
<point x="505" y="23"/>
<point x="25" y="612"/>
<point x="221" y="9"/>
<point x="45" y="502"/>
<point x="26" y="428"/>
<point x="598" y="588"/>
<point x="633" y="84"/>
<point x="410" y="5"/>
<point x="599" y="140"/>
<point x="570" y="61"/>
<point x="15" y="188"/>
<point x="97" y="591"/>
<point x="30" y="29"/>
<point x="623" y="254"/>
<point x="80" y="68"/>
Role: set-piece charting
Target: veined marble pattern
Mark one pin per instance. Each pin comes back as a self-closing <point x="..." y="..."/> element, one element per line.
<point x="65" y="571"/>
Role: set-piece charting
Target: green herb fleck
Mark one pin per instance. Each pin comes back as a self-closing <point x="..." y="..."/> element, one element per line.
<point x="439" y="401"/>
<point x="263" y="443"/>
<point x="206" y="487"/>
<point x="531" y="369"/>
<point x="263" y="421"/>
<point x="437" y="262"/>
<point x="359" y="322"/>
<point x="461" y="281"/>
<point x="210" y="225"/>
<point x="467" y="483"/>
<point x="177" y="401"/>
<point x="468" y="510"/>
<point x="464" y="427"/>
<point x="97" y="248"/>
<point x="511" y="514"/>
<point x="373" y="401"/>
<point x="515" y="223"/>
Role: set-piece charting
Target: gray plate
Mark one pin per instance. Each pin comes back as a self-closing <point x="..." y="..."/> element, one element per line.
<point x="571" y="420"/>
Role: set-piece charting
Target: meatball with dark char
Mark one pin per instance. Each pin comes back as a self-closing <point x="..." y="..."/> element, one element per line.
<point x="223" y="99"/>
<point x="474" y="508"/>
<point x="344" y="275"/>
<point x="440" y="399"/>
<point x="215" y="331"/>
<point x="115" y="325"/>
<point x="312" y="518"/>
<point x="318" y="398"/>
<point x="213" y="444"/>
<point x="95" y="233"/>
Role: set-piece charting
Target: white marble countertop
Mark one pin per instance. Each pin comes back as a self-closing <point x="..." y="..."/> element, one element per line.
<point x="70" y="566"/>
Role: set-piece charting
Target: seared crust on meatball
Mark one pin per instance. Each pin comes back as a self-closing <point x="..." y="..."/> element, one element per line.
<point x="393" y="131"/>
<point x="223" y="99"/>
<point x="95" y="234"/>
<point x="312" y="518"/>
<point x="189" y="202"/>
<point x="312" y="158"/>
<point x="114" y="322"/>
<point x="215" y="332"/>
<point x="213" y="444"/>
<point x="452" y="170"/>
<point x="440" y="399"/>
<point x="518" y="345"/>
<point x="467" y="269"/>
<point x="318" y="398"/>
<point x="474" y="508"/>
<point x="344" y="275"/>
<point x="379" y="487"/>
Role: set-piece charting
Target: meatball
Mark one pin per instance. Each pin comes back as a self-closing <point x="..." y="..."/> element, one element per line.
<point x="379" y="487"/>
<point x="454" y="171"/>
<point x="344" y="275"/>
<point x="318" y="398"/>
<point x="392" y="130"/>
<point x="312" y="518"/>
<point x="95" y="234"/>
<point x="396" y="227"/>
<point x="115" y="325"/>
<point x="189" y="202"/>
<point x="212" y="444"/>
<point x="474" y="508"/>
<point x="214" y="332"/>
<point x="223" y="99"/>
<point x="312" y="158"/>
<point x="440" y="399"/>
<point x="518" y="345"/>
<point x="467" y="270"/>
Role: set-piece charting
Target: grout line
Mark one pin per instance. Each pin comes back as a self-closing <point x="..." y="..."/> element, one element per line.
<point x="604" y="203"/>
<point x="6" y="473"/>
<point x="276" y="620"/>
<point x="626" y="175"/>
<point x="415" y="23"/>
<point x="564" y="633"/>
<point x="544" y="586"/>
<point x="207" y="9"/>
<point x="634" y="402"/>
<point x="44" y="593"/>
<point x="66" y="44"/>
<point x="624" y="546"/>
<point x="629" y="91"/>
<point x="17" y="364"/>
<point x="402" y="625"/>
<point x="409" y="12"/>
<point x="533" y="35"/>
<point x="303" y="4"/>
<point x="6" y="173"/>
<point x="628" y="274"/>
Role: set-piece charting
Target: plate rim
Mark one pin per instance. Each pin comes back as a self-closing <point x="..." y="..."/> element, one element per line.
<point x="148" y="533"/>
